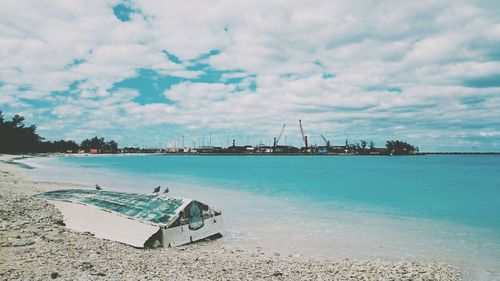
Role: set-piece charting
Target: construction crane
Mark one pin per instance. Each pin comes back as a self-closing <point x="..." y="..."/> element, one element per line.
<point x="276" y="140"/>
<point x="327" y="142"/>
<point x="304" y="138"/>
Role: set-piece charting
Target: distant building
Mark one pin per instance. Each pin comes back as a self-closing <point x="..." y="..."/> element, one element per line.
<point x="262" y="148"/>
<point x="175" y="150"/>
<point x="95" y="151"/>
<point x="338" y="148"/>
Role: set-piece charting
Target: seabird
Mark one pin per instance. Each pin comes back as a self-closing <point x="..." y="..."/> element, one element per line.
<point x="97" y="187"/>
<point x="166" y="191"/>
<point x="157" y="189"/>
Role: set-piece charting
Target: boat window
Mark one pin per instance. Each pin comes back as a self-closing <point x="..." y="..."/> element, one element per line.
<point x="195" y="216"/>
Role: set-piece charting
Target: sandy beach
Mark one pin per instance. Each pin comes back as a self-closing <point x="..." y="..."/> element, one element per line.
<point x="35" y="245"/>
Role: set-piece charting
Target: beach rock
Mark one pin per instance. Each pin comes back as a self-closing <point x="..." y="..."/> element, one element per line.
<point x="21" y="242"/>
<point x="277" y="273"/>
<point x="87" y="265"/>
<point x="54" y="275"/>
<point x="50" y="238"/>
<point x="4" y="225"/>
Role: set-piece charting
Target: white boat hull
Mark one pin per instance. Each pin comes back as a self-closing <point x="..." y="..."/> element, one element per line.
<point x="181" y="235"/>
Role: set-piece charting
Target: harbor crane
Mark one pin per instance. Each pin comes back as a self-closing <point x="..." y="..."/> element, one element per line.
<point x="276" y="140"/>
<point x="327" y="142"/>
<point x="304" y="137"/>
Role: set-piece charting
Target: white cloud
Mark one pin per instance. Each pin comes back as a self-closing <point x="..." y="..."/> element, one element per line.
<point x="395" y="69"/>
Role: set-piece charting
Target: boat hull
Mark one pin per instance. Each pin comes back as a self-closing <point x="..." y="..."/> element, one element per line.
<point x="180" y="235"/>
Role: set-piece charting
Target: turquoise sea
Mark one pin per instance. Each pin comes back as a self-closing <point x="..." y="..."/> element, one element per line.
<point x="436" y="207"/>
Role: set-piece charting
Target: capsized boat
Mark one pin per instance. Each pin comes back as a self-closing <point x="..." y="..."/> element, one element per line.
<point x="139" y="220"/>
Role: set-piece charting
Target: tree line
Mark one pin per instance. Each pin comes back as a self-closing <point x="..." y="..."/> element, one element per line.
<point x="392" y="147"/>
<point x="365" y="147"/>
<point x="16" y="138"/>
<point x="397" y="147"/>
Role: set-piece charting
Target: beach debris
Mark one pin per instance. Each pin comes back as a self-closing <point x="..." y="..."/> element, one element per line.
<point x="97" y="187"/>
<point x="54" y="275"/>
<point x="157" y="189"/>
<point x="139" y="220"/>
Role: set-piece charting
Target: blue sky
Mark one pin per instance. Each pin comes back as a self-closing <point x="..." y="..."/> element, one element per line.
<point x="156" y="72"/>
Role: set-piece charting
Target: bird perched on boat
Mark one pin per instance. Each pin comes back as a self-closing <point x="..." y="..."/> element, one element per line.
<point x="97" y="187"/>
<point x="157" y="189"/>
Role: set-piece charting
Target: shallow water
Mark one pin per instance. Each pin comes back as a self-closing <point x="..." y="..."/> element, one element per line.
<point x="421" y="207"/>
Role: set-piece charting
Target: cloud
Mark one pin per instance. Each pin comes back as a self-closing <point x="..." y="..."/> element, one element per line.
<point x="379" y="69"/>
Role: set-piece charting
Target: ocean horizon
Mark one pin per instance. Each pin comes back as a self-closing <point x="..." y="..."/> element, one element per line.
<point x="429" y="207"/>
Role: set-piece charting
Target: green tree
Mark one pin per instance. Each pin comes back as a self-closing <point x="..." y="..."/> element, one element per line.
<point x="371" y="145"/>
<point x="363" y="145"/>
<point x="97" y="143"/>
<point x="100" y="144"/>
<point x="113" y="146"/>
<point x="16" y="137"/>
<point x="85" y="145"/>
<point x="397" y="147"/>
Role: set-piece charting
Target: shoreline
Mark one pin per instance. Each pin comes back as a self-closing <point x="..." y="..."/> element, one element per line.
<point x="34" y="245"/>
<point x="159" y="154"/>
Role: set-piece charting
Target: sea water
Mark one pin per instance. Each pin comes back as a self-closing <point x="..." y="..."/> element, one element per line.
<point x="439" y="207"/>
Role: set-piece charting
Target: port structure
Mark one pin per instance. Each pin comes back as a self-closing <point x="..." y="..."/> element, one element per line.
<point x="304" y="137"/>
<point x="276" y="140"/>
<point x="327" y="142"/>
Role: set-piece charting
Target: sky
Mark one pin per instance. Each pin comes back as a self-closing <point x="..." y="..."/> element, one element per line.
<point x="154" y="73"/>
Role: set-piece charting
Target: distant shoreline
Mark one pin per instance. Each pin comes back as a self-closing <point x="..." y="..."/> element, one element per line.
<point x="460" y="153"/>
<point x="23" y="156"/>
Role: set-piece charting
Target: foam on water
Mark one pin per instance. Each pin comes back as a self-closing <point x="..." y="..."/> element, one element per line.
<point x="317" y="209"/>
